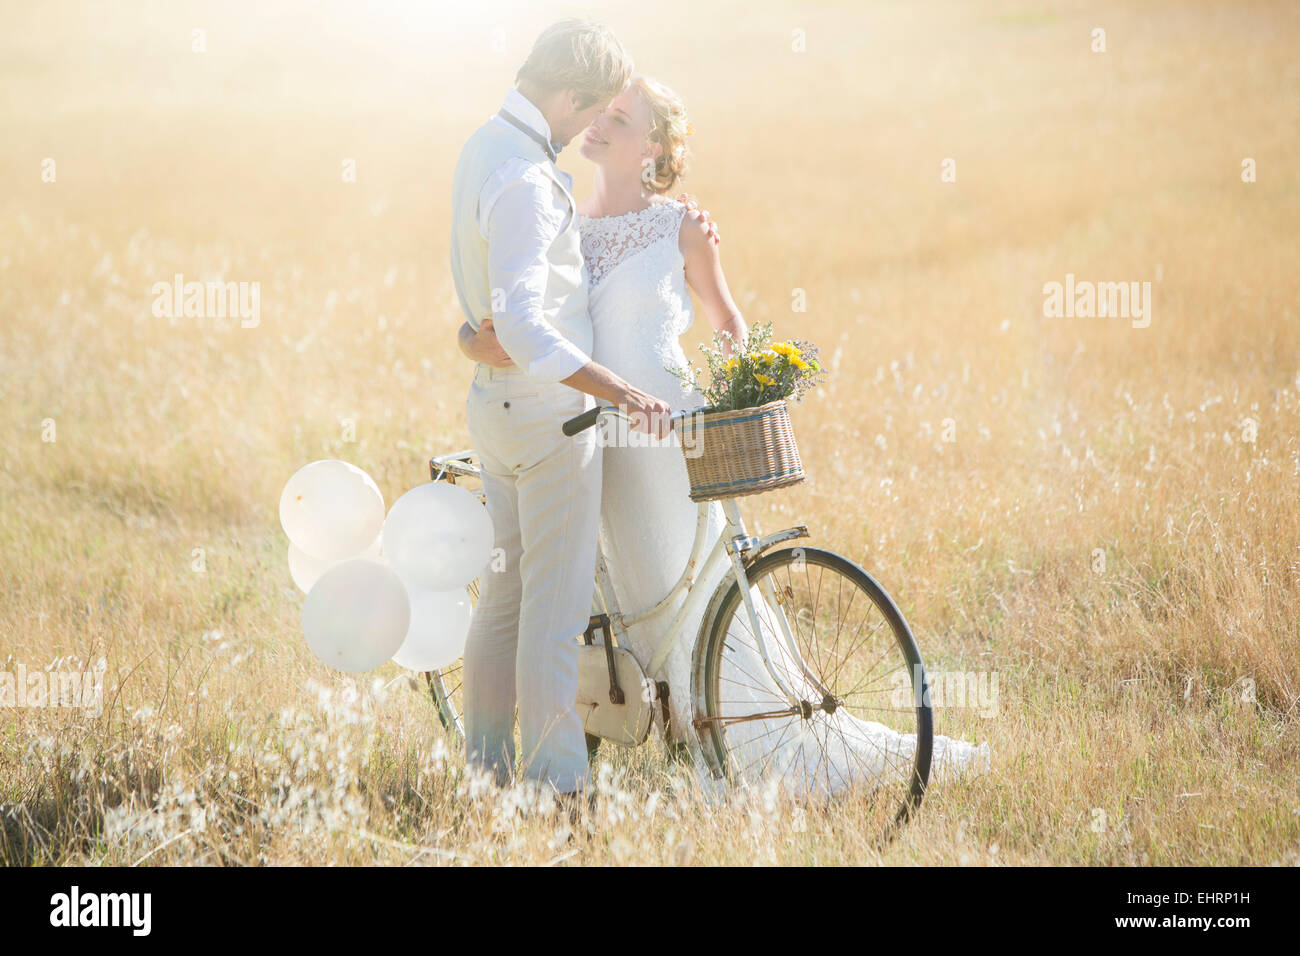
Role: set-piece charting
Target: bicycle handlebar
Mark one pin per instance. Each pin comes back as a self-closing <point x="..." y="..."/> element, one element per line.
<point x="581" y="423"/>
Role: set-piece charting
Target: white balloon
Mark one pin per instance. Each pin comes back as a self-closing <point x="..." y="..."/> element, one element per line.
<point x="439" y="626"/>
<point x="306" y="570"/>
<point x="356" y="615"/>
<point x="438" y="537"/>
<point x="331" y="510"/>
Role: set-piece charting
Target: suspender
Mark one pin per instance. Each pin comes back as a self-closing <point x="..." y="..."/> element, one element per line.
<point x="528" y="131"/>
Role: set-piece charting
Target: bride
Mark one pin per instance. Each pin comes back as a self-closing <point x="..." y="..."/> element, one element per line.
<point x="642" y="251"/>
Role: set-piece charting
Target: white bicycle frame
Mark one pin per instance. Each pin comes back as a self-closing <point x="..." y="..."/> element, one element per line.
<point x="731" y="547"/>
<point x="735" y="546"/>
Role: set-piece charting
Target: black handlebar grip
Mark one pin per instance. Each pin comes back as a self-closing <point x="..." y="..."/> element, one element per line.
<point x="581" y="422"/>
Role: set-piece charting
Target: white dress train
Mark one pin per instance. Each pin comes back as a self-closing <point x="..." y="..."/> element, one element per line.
<point x="640" y="306"/>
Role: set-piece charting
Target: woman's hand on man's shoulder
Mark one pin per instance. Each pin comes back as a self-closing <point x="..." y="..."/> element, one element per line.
<point x="702" y="216"/>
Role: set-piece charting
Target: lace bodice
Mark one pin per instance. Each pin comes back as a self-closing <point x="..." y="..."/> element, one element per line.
<point x="637" y="294"/>
<point x="611" y="240"/>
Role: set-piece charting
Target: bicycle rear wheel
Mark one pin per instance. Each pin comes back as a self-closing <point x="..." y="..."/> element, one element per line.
<point x="862" y="722"/>
<point x="445" y="688"/>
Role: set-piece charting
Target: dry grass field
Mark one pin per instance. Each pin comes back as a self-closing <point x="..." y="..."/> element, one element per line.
<point x="1101" y="517"/>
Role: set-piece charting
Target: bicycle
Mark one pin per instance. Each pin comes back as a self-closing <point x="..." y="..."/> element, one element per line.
<point x="618" y="699"/>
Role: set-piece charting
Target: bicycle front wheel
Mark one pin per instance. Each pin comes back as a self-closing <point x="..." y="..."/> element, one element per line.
<point x="861" y="720"/>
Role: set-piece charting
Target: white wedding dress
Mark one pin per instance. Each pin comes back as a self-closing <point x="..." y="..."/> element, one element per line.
<point x="640" y="305"/>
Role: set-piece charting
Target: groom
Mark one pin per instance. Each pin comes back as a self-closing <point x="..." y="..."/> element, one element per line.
<point x="515" y="260"/>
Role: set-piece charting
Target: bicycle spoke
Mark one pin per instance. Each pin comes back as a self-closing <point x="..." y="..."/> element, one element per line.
<point x="770" y="687"/>
<point x="788" y="724"/>
<point x="872" y="633"/>
<point x="822" y="639"/>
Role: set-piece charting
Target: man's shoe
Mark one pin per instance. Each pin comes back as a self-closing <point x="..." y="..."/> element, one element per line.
<point x="579" y="809"/>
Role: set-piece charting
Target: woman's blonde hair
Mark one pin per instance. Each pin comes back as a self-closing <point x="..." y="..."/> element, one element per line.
<point x="669" y="127"/>
<point x="578" y="55"/>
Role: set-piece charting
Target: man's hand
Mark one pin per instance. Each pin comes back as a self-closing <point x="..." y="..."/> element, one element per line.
<point x="647" y="413"/>
<point x="702" y="215"/>
<point x="482" y="346"/>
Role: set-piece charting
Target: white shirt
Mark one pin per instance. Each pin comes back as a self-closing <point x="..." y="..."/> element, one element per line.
<point x="521" y="211"/>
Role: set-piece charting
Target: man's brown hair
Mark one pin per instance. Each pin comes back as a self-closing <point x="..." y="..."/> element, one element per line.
<point x="578" y="55"/>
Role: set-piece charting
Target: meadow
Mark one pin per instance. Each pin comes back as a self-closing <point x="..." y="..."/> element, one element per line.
<point x="1099" y="515"/>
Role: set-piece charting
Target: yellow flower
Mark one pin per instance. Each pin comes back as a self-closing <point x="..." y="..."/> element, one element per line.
<point x="799" y="363"/>
<point x="730" y="364"/>
<point x="764" y="379"/>
<point x="786" y="349"/>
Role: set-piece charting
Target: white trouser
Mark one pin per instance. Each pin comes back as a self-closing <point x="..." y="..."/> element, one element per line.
<point x="543" y="493"/>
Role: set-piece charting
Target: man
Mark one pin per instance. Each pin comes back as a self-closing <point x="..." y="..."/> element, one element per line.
<point x="515" y="259"/>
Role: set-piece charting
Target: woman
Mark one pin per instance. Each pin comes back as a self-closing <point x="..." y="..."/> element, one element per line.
<point x="642" y="250"/>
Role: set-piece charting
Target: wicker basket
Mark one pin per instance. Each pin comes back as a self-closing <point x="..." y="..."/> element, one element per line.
<point x="742" y="452"/>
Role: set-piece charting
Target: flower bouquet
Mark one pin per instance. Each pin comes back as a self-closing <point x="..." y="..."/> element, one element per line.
<point x="741" y="442"/>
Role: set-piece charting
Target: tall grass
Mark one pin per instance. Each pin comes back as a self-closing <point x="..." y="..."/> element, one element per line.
<point x="1112" y="529"/>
